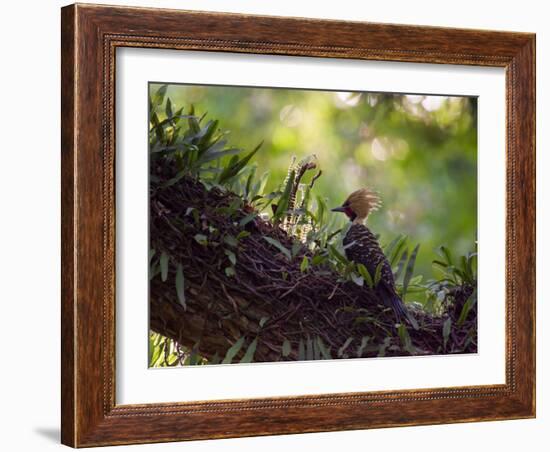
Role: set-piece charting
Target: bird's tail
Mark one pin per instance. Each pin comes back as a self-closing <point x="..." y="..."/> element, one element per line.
<point x="401" y="312"/>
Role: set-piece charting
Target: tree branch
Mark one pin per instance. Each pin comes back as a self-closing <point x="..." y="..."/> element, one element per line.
<point x="264" y="295"/>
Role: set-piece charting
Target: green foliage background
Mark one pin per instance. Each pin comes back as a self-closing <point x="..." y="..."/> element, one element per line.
<point x="419" y="152"/>
<point x="185" y="144"/>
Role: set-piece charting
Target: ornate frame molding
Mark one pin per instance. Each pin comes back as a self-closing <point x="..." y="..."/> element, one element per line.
<point x="90" y="37"/>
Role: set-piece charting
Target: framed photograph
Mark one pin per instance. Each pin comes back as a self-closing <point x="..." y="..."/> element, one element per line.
<point x="282" y="225"/>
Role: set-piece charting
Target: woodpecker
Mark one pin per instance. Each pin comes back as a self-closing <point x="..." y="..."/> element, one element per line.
<point x="362" y="247"/>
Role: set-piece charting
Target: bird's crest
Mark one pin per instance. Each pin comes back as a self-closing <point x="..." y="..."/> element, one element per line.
<point x="363" y="202"/>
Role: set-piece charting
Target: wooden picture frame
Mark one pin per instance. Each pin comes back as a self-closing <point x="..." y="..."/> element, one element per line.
<point x="90" y="36"/>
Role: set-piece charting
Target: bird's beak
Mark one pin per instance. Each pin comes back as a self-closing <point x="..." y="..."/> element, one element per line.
<point x="338" y="209"/>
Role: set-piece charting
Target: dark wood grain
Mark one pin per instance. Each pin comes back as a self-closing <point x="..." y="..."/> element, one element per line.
<point x="90" y="36"/>
<point x="68" y="332"/>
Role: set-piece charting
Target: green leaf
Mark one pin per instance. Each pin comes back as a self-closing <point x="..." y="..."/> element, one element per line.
<point x="471" y="259"/>
<point x="232" y="208"/>
<point x="259" y="187"/>
<point x="341" y="350"/>
<point x="230" y="240"/>
<point x="168" y="109"/>
<point x="378" y="273"/>
<point x="464" y="267"/>
<point x="364" y="342"/>
<point x="164" y="266"/>
<point x="357" y="279"/>
<point x="231" y="255"/>
<point x="155" y="356"/>
<point x="446" y="331"/>
<point x="304" y="265"/>
<point x="233" y="169"/>
<point x="158" y="97"/>
<point x="309" y="349"/>
<point x="405" y="339"/>
<point x="208" y="131"/>
<point x="157" y="343"/>
<point x="193" y="122"/>
<point x="286" y="348"/>
<point x="318" y="259"/>
<point x="409" y="271"/>
<point x="159" y="131"/>
<point x="301" y="351"/>
<point x="154" y="120"/>
<point x="262" y="321"/>
<point x="321" y="210"/>
<point x="201" y="239"/>
<point x="234" y="160"/>
<point x="465" y="310"/>
<point x="382" y="347"/>
<point x="440" y="265"/>
<point x="365" y="274"/>
<point x="446" y="254"/>
<point x="296" y="247"/>
<point x="173" y="119"/>
<point x="249" y="355"/>
<point x="249" y="181"/>
<point x="154" y="270"/>
<point x="316" y="350"/>
<point x="215" y="359"/>
<point x="158" y="339"/>
<point x="401" y="264"/>
<point x="180" y="286"/>
<point x="174" y="179"/>
<point x="247" y="219"/>
<point x="194" y="358"/>
<point x="176" y="116"/>
<point x="242" y="235"/>
<point x="282" y="205"/>
<point x="389" y="248"/>
<point x="150" y="350"/>
<point x="272" y="195"/>
<point x="230" y="271"/>
<point x="325" y="353"/>
<point x="233" y="350"/>
<point x="208" y="156"/>
<point x="397" y="249"/>
<point x="337" y="255"/>
<point x="279" y="246"/>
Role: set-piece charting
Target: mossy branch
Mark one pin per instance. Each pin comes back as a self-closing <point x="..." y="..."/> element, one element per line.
<point x="244" y="278"/>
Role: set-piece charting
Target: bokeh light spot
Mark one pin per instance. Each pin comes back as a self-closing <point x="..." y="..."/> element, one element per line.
<point x="378" y="150"/>
<point x="346" y="99"/>
<point x="433" y="103"/>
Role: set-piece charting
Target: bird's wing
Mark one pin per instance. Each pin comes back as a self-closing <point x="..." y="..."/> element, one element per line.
<point x="362" y="247"/>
